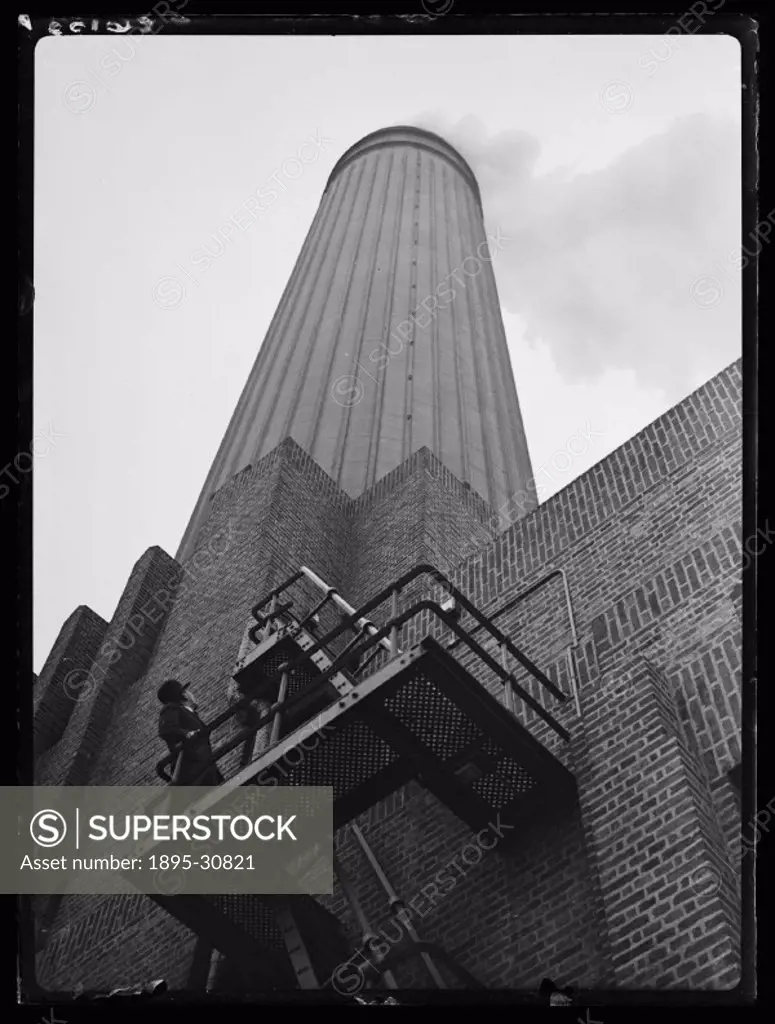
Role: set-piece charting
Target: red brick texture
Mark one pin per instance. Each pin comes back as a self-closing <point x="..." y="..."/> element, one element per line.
<point x="635" y="886"/>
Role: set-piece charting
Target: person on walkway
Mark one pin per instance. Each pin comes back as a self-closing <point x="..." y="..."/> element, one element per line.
<point x="186" y="736"/>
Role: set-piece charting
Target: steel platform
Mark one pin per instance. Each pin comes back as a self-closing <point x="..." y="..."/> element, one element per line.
<point x="422" y="716"/>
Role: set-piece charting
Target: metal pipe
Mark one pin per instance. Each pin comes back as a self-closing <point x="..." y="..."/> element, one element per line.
<point x="574" y="679"/>
<point x="394" y="901"/>
<point x="394" y="652"/>
<point x="256" y="609"/>
<point x="526" y="593"/>
<point x="270" y="618"/>
<point x="212" y="973"/>
<point x="274" y="736"/>
<point x="452" y="624"/>
<point x="571" y="619"/>
<point x="569" y="606"/>
<point x="508" y="688"/>
<point x="426" y="569"/>
<point x="314" y="611"/>
<point x="362" y="624"/>
<point x="367" y="662"/>
<point x="470" y="982"/>
<point x="367" y="932"/>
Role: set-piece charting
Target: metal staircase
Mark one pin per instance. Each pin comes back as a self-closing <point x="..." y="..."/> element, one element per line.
<point x="410" y="712"/>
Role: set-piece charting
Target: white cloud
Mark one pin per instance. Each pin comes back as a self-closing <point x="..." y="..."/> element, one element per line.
<point x="622" y="268"/>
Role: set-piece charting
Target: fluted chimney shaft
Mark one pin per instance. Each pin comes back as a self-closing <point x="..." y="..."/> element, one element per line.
<point x="389" y="335"/>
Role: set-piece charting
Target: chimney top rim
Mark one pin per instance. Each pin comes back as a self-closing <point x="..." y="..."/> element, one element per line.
<point x="424" y="137"/>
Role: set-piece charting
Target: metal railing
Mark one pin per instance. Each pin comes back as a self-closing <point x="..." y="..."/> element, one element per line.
<point x="386" y="637"/>
<point x="570" y="650"/>
<point x="363" y="624"/>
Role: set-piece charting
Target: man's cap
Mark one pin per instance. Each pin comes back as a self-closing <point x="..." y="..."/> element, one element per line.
<point x="171" y="690"/>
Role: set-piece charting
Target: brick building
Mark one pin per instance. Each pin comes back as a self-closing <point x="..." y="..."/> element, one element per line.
<point x="608" y="853"/>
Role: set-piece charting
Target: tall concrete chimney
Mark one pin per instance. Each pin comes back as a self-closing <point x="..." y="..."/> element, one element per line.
<point x="389" y="335"/>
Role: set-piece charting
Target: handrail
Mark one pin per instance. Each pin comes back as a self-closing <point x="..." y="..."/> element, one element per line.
<point x="426" y="604"/>
<point x="439" y="577"/>
<point x="331" y="593"/>
<point x="399" y="584"/>
<point x="571" y="618"/>
<point x="358" y="651"/>
<point x="406" y="951"/>
<point x="527" y="593"/>
<point x="484" y="655"/>
<point x="254" y="611"/>
<point x="426" y="569"/>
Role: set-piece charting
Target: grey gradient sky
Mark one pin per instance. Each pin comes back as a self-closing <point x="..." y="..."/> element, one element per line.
<point x="610" y="163"/>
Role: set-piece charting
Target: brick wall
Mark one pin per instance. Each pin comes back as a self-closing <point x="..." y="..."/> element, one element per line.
<point x="121" y="660"/>
<point x="650" y="542"/>
<point x="666" y="879"/>
<point x="64" y="679"/>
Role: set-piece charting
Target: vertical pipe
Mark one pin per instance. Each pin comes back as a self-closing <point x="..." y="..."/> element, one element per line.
<point x="394" y="629"/>
<point x="277" y="721"/>
<point x="367" y="932"/>
<point x="212" y="973"/>
<point x="394" y="902"/>
<point x="573" y="644"/>
<point x="569" y="606"/>
<point x="507" y="683"/>
<point x="574" y="683"/>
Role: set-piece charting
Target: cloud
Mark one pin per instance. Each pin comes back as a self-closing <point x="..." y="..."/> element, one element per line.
<point x="624" y="267"/>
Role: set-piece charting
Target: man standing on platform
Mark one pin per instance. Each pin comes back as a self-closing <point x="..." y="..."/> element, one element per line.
<point x="185" y="734"/>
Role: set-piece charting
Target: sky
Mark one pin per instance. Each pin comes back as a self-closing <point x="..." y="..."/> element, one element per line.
<point x="611" y="165"/>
